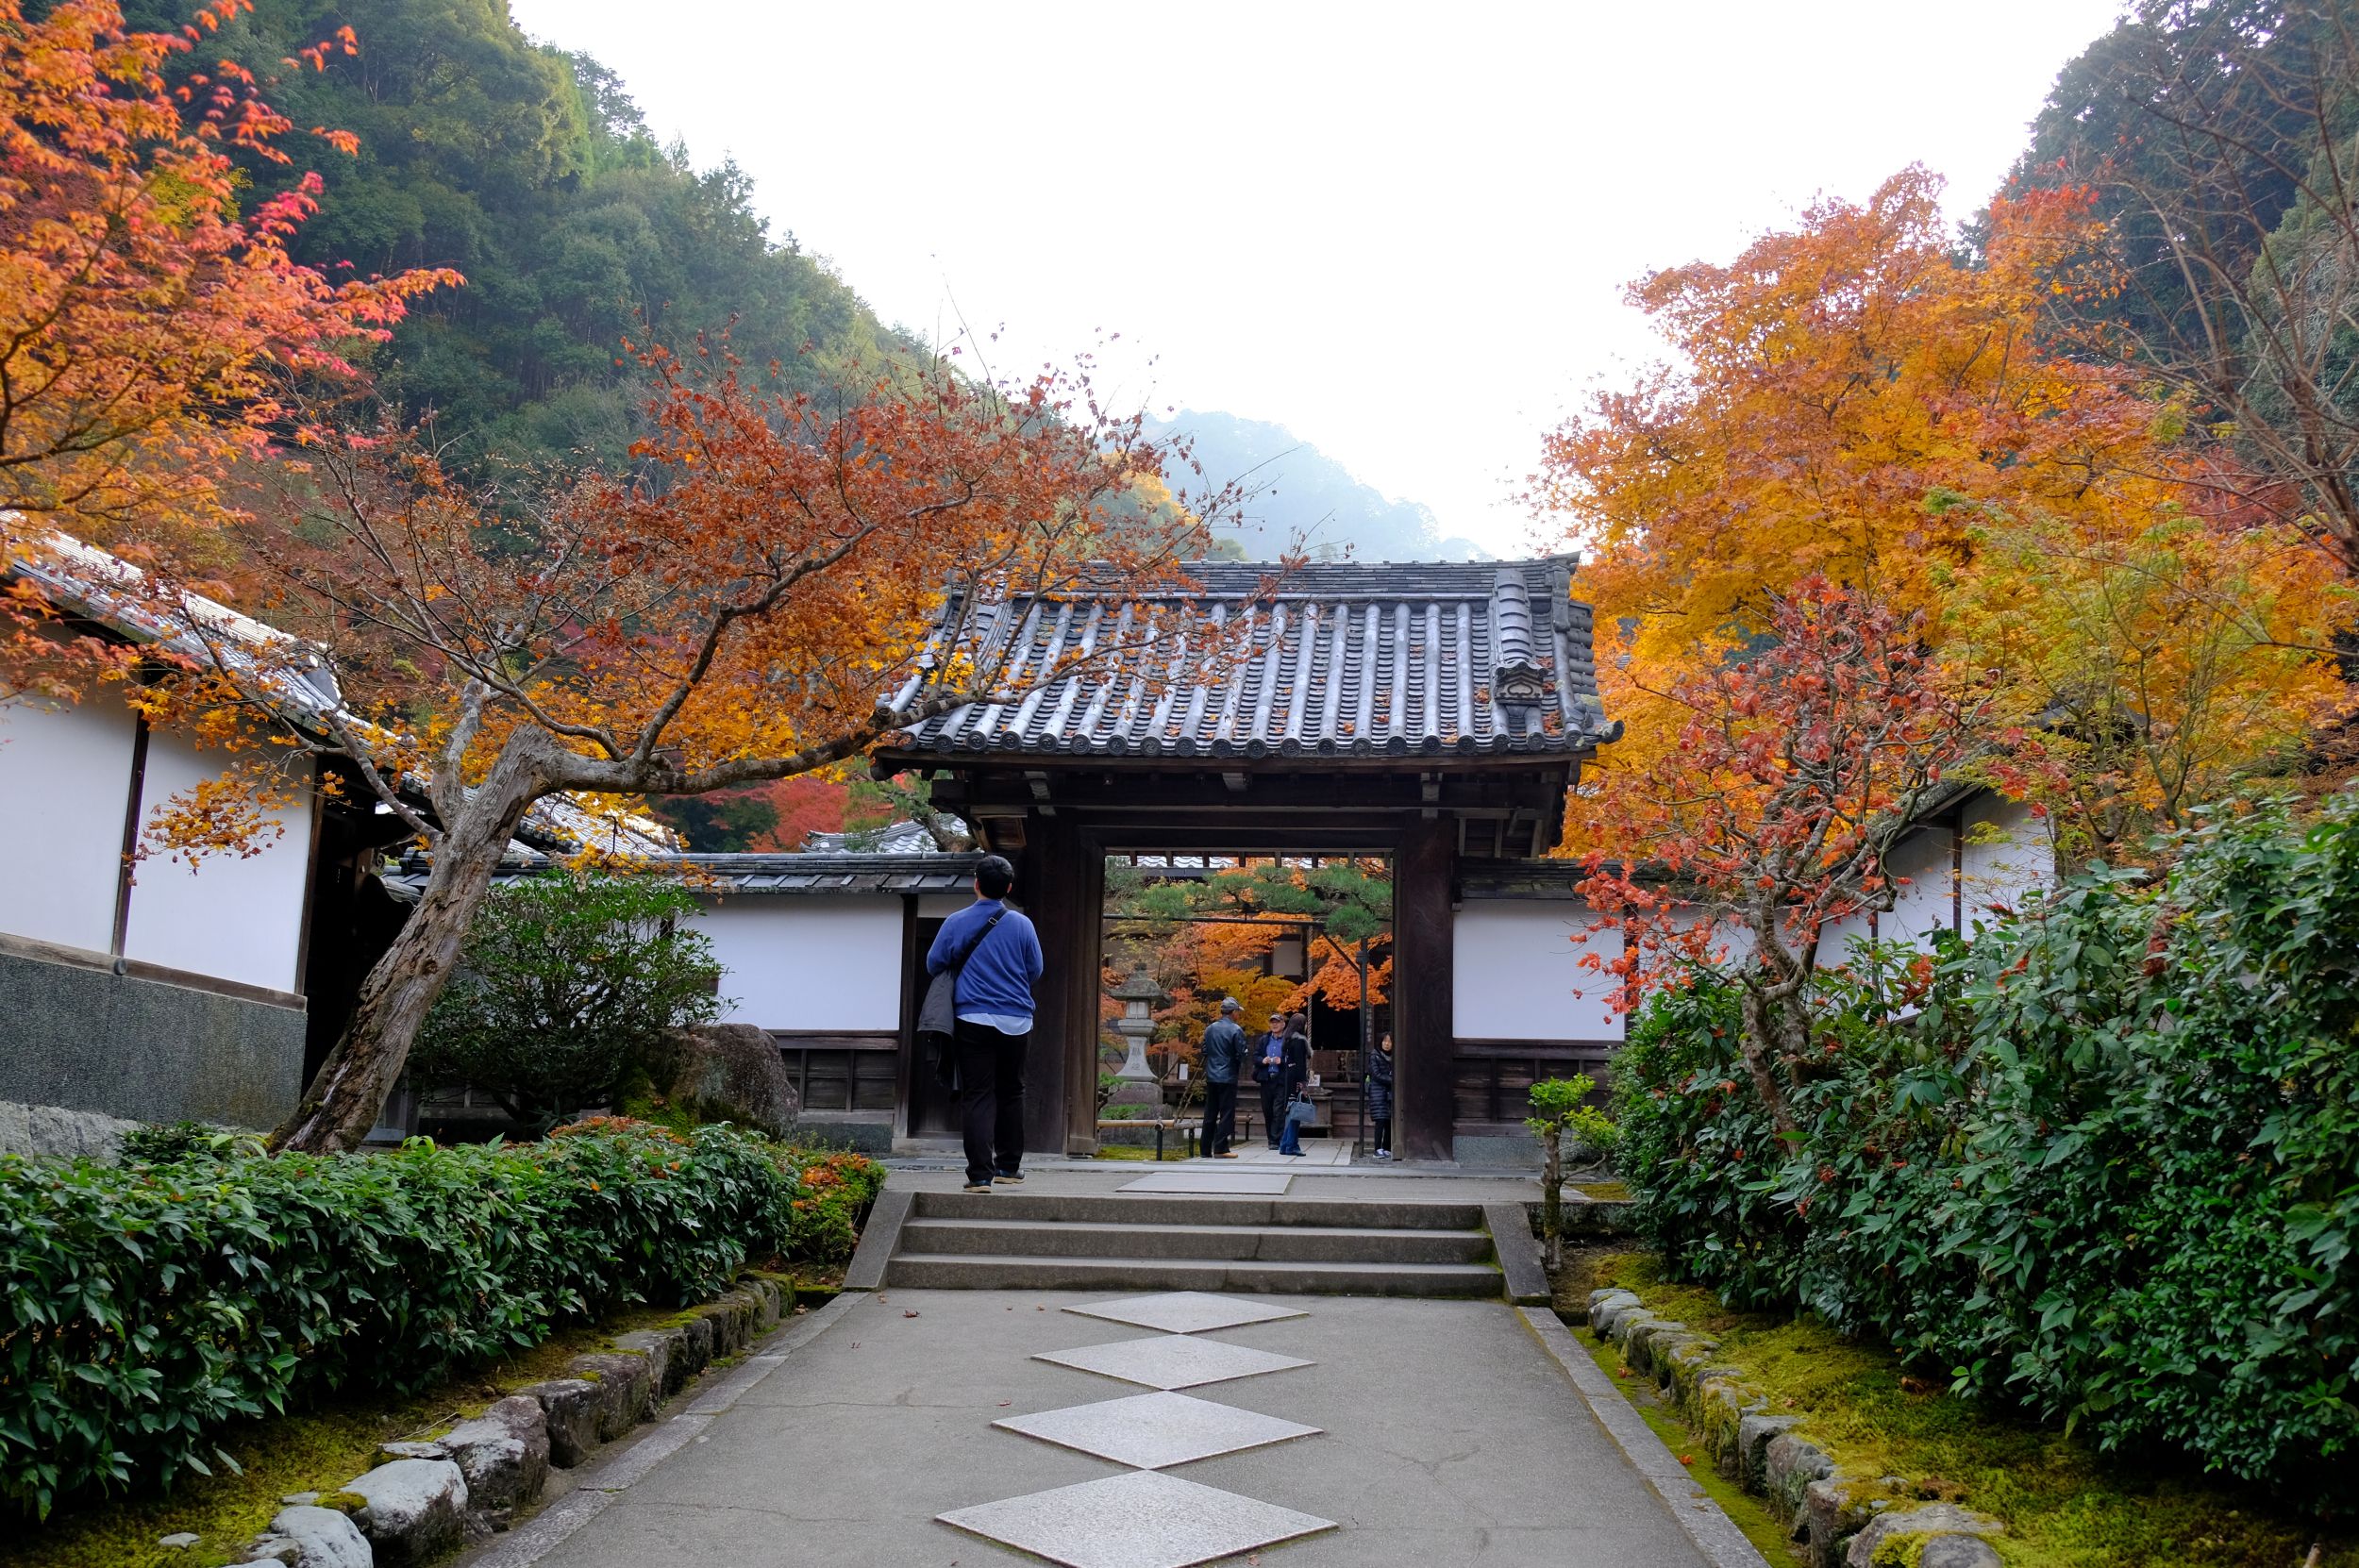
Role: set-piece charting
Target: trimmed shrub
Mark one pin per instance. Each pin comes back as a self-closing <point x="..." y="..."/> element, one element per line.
<point x="567" y="982"/>
<point x="2103" y="1162"/>
<point x="149" y="1305"/>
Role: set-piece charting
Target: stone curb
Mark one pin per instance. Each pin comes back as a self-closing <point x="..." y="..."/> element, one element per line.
<point x="421" y="1502"/>
<point x="602" y="1482"/>
<point x="1713" y="1532"/>
<point x="1518" y="1251"/>
<point x="878" y="1239"/>
<point x="1839" y="1519"/>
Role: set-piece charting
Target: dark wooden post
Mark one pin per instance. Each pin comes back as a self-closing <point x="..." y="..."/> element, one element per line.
<point x="1062" y="886"/>
<point x="1425" y="1069"/>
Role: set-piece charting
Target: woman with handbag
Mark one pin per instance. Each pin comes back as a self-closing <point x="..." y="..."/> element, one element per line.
<point x="1295" y="1079"/>
<point x="1379" y="1083"/>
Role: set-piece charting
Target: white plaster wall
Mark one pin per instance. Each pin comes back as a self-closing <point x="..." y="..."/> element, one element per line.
<point x="1922" y="904"/>
<point x="1516" y="968"/>
<point x="235" y="919"/>
<point x="942" y="906"/>
<point x="65" y="780"/>
<point x="1836" y="936"/>
<point x="2015" y="859"/>
<point x="807" y="960"/>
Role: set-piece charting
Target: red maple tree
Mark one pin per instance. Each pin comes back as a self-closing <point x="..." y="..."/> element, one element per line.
<point x="1771" y="815"/>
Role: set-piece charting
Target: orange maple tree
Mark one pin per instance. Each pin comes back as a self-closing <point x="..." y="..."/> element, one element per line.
<point x="1770" y="815"/>
<point x="147" y="317"/>
<point x="1853" y="399"/>
<point x="777" y="587"/>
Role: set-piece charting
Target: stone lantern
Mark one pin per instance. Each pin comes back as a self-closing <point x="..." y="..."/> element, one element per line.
<point x="1139" y="995"/>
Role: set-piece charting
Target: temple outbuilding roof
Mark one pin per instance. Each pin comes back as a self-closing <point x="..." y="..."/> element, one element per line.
<point x="1329" y="660"/>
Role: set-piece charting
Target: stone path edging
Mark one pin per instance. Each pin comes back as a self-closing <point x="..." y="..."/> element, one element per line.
<point x="1839" y="1518"/>
<point x="1522" y="1271"/>
<point x="878" y="1239"/>
<point x="1713" y="1532"/>
<point x="602" y="1482"/>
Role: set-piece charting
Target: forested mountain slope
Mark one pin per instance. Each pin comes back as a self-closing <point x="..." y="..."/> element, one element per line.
<point x="530" y="172"/>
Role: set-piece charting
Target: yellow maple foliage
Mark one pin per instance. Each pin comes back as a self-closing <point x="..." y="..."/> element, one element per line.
<point x="1859" y="401"/>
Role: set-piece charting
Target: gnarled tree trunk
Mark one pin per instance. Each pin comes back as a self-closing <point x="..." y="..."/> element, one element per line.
<point x="343" y="1100"/>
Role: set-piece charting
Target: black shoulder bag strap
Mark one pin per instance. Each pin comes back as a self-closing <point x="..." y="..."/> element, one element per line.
<point x="947" y="1054"/>
<point x="979" y="939"/>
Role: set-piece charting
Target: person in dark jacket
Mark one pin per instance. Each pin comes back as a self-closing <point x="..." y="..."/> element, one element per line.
<point x="997" y="956"/>
<point x="1224" y="1053"/>
<point x="1294" y="1080"/>
<point x="1297" y="1054"/>
<point x="1270" y="1072"/>
<point x="1380" y="1096"/>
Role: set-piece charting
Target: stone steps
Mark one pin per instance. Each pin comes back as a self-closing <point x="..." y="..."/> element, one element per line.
<point x="1234" y="1243"/>
<point x="1013" y="1239"/>
<point x="1031" y="1271"/>
<point x="1178" y="1209"/>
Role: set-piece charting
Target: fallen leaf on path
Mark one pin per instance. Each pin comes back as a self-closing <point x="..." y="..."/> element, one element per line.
<point x="909" y="1311"/>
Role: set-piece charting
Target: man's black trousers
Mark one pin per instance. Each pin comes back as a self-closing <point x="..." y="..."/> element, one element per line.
<point x="991" y="1091"/>
<point x="1221" y="1117"/>
<point x="1273" y="1103"/>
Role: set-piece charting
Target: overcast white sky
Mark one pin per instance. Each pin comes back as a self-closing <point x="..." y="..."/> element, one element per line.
<point x="1402" y="232"/>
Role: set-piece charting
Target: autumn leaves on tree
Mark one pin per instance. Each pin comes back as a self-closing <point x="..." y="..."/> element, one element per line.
<point x="774" y="586"/>
<point x="150" y="314"/>
<point x="1898" y="525"/>
<point x="1861" y="403"/>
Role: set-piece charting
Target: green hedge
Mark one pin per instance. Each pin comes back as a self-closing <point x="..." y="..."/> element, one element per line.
<point x="147" y="1305"/>
<point x="2103" y="1162"/>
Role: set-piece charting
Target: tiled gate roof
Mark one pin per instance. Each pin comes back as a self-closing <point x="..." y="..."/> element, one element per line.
<point x="1340" y="660"/>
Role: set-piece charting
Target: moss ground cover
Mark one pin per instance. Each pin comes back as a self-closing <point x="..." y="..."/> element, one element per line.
<point x="1174" y="1149"/>
<point x="2066" y="1505"/>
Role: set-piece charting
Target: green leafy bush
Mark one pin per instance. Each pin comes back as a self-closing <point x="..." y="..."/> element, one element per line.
<point x="2103" y="1162"/>
<point x="148" y="1305"/>
<point x="567" y="982"/>
<point x="154" y="1142"/>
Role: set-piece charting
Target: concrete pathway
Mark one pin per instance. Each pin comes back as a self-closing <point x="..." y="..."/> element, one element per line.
<point x="1390" y="1432"/>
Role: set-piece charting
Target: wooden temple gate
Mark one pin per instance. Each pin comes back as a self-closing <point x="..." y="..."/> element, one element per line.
<point x="1435" y="714"/>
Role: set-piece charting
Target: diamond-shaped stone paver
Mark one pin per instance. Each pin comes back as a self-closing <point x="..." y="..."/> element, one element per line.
<point x="1187" y="1311"/>
<point x="1144" y="1519"/>
<point x="1172" y="1360"/>
<point x="1153" y="1430"/>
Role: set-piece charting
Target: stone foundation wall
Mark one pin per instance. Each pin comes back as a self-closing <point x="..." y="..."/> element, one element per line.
<point x="143" y="1050"/>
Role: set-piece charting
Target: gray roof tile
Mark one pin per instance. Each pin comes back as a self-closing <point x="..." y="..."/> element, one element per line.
<point x="1343" y="658"/>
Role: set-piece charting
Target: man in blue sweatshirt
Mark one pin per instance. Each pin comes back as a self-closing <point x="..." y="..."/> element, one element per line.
<point x="1001" y="958"/>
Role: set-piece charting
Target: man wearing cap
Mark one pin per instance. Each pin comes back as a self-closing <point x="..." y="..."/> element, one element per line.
<point x="1224" y="1054"/>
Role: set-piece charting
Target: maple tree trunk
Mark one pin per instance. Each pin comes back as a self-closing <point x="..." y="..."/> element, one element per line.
<point x="1773" y="1005"/>
<point x="343" y="1101"/>
<point x="1762" y="1040"/>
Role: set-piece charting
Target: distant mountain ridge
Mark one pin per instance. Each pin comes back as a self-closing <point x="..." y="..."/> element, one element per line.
<point x="1300" y="492"/>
